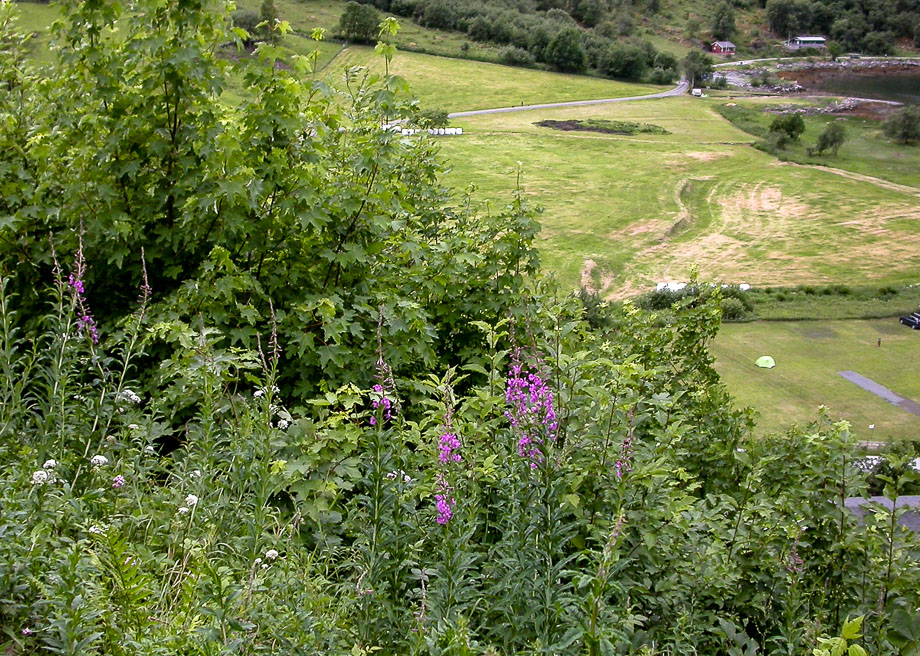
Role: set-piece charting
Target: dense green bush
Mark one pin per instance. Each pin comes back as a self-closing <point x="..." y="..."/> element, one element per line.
<point x="293" y="206"/>
<point x="516" y="56"/>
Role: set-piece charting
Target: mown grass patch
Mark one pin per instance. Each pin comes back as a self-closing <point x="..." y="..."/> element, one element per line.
<point x="808" y="356"/>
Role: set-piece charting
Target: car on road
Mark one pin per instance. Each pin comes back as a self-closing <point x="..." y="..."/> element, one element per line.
<point x="912" y="320"/>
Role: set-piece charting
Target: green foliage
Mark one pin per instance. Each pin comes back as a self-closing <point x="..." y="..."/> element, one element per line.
<point x="359" y="23"/>
<point x="604" y="126"/>
<point x="788" y="17"/>
<point x="904" y="125"/>
<point x="723" y="22"/>
<point x="789" y="125"/>
<point x="831" y="139"/>
<point x="566" y="53"/>
<point x="221" y="474"/>
<point x="268" y="14"/>
<point x="624" y="61"/>
<point x="516" y="56"/>
<point x="696" y="66"/>
<point x="293" y="208"/>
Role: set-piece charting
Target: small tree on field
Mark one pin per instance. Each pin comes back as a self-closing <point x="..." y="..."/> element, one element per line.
<point x="695" y="66"/>
<point x="831" y="139"/>
<point x="904" y="125"/>
<point x="359" y="23"/>
<point x="834" y="49"/>
<point x="791" y="125"/>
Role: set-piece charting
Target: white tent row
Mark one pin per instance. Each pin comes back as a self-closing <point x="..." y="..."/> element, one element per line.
<point x="433" y="131"/>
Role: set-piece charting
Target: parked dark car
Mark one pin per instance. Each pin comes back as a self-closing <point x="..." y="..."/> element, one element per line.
<point x="912" y="320"/>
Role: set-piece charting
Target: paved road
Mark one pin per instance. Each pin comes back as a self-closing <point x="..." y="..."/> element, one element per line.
<point x="871" y="386"/>
<point x="676" y="91"/>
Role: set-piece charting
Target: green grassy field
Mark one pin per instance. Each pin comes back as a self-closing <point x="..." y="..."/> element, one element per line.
<point x="457" y="84"/>
<point x="304" y="15"/>
<point x="622" y="212"/>
<point x="866" y="150"/>
<point x="808" y="356"/>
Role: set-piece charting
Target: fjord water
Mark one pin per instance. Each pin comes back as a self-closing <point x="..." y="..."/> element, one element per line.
<point x="902" y="87"/>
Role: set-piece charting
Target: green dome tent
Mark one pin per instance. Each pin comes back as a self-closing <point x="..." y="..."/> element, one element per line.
<point x="765" y="362"/>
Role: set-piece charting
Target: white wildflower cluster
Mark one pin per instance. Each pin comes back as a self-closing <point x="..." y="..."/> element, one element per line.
<point x="129" y="396"/>
<point x="259" y="393"/>
<point x="134" y="427"/>
<point x="150" y="450"/>
<point x="283" y="424"/>
<point x="271" y="554"/>
<point x="98" y="461"/>
<point x="190" y="502"/>
<point x="393" y="475"/>
<point x="196" y="474"/>
<point x="45" y="474"/>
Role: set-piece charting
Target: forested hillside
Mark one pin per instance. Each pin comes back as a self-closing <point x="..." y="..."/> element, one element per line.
<point x="532" y="25"/>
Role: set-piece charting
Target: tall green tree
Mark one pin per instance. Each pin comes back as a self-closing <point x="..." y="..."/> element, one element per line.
<point x="723" y="22"/>
<point x="566" y="52"/>
<point x="358" y="22"/>
<point x="695" y="66"/>
<point x="790" y="125"/>
<point x="268" y="14"/>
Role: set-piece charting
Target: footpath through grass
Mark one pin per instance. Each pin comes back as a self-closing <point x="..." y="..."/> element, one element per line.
<point x="808" y="356"/>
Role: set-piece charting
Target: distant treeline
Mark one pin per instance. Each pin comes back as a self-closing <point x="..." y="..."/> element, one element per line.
<point x="570" y="36"/>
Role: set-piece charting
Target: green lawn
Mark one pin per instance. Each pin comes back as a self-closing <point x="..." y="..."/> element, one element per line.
<point x="808" y="356"/>
<point x="304" y="15"/>
<point x="623" y="212"/>
<point x="458" y="84"/>
<point x="866" y="151"/>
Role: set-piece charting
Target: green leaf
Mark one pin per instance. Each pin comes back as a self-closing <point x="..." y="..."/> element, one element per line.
<point x="851" y="628"/>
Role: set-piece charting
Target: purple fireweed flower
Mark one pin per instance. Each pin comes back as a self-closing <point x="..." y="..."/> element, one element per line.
<point x="86" y="323"/>
<point x="445" y="508"/>
<point x="795" y="562"/>
<point x="118" y="481"/>
<point x="76" y="284"/>
<point x="532" y="413"/>
<point x="624" y="462"/>
<point x="449" y="448"/>
<point x="383" y="402"/>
